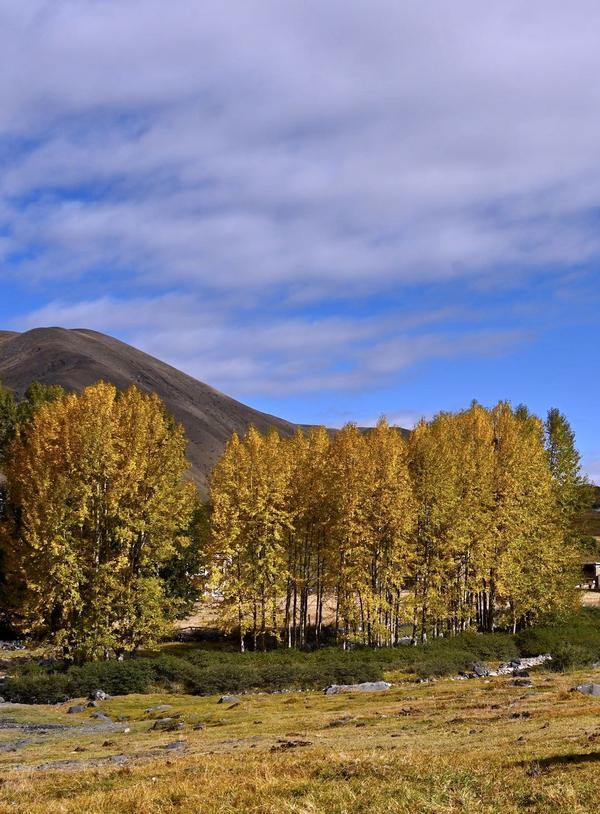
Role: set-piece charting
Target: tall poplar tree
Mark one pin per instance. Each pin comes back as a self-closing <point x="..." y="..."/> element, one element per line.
<point x="250" y="524"/>
<point x="572" y="490"/>
<point x="96" y="503"/>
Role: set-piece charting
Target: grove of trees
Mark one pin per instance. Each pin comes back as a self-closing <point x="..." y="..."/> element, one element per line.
<point x="356" y="536"/>
<point x="467" y="524"/>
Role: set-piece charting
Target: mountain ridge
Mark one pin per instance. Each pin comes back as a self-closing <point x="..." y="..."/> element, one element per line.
<point x="75" y="358"/>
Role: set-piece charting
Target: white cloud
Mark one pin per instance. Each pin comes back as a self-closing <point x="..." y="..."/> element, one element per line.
<point x="266" y="161"/>
<point x="279" y="355"/>
<point x="241" y="145"/>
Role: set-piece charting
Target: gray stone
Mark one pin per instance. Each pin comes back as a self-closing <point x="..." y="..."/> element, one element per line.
<point x="158" y="708"/>
<point x="2" y="700"/>
<point x="99" y="695"/>
<point x="480" y="670"/>
<point x="228" y="699"/>
<point x="596" y="665"/>
<point x="100" y="716"/>
<point x="522" y="682"/>
<point x="589" y="689"/>
<point x="365" y="686"/>
<point x="343" y="721"/>
<point x="168" y="725"/>
<point x="198" y="727"/>
<point x="175" y="745"/>
<point x="76" y="708"/>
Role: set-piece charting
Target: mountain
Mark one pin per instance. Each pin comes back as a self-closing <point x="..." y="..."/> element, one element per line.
<point x="78" y="358"/>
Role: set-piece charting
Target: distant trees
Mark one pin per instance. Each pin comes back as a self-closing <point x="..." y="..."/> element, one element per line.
<point x="462" y="526"/>
<point x="95" y="506"/>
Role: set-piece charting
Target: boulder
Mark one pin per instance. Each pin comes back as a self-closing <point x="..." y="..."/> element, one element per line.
<point x="589" y="689"/>
<point x="343" y="721"/>
<point x="99" y="716"/>
<point x="228" y="699"/>
<point x="168" y="725"/>
<point x="480" y="670"/>
<point x="76" y="708"/>
<point x="522" y="682"/>
<point x="198" y="727"/>
<point x="365" y="686"/>
<point x="158" y="708"/>
<point x="175" y="745"/>
<point x="99" y="695"/>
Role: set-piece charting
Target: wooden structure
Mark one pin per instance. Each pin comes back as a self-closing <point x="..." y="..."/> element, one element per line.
<point x="591" y="576"/>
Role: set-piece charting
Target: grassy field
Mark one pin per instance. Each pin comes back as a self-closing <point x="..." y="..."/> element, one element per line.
<point x="444" y="747"/>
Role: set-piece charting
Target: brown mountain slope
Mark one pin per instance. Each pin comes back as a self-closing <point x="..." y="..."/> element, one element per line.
<point x="77" y="358"/>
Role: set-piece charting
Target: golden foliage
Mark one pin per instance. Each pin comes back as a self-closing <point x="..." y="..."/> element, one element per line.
<point x="96" y="504"/>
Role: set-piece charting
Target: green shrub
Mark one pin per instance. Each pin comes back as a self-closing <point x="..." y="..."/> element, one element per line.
<point x="569" y="656"/>
<point x="573" y="642"/>
<point x="581" y="629"/>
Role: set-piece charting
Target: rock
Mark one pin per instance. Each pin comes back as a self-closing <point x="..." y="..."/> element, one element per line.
<point x="92" y="704"/>
<point x="158" y="708"/>
<point x="343" y="721"/>
<point x="406" y="641"/>
<point x="99" y="695"/>
<point x="521" y="674"/>
<point x="175" y="745"/>
<point x="198" y="727"/>
<point x="108" y="743"/>
<point x="589" y="689"/>
<point x="80" y="749"/>
<point x="282" y="745"/>
<point x="123" y="718"/>
<point x="100" y="716"/>
<point x="228" y="699"/>
<point x="480" y="670"/>
<point x="2" y="700"/>
<point x="168" y="725"/>
<point x="75" y="709"/>
<point x="522" y="682"/>
<point x="596" y="665"/>
<point x="366" y="686"/>
<point x="12" y="646"/>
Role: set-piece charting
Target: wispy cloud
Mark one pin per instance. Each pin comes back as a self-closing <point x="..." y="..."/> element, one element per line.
<point x="301" y="197"/>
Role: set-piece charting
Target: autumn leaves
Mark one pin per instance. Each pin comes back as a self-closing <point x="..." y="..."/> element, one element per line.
<point x="361" y="538"/>
<point x="96" y="505"/>
<point x="458" y="528"/>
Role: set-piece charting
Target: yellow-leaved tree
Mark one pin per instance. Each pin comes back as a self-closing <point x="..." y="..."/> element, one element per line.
<point x="96" y="503"/>
<point x="250" y="525"/>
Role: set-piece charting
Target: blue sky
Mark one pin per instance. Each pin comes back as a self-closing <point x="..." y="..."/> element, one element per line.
<point x="331" y="210"/>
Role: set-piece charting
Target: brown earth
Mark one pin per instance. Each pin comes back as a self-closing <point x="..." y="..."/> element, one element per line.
<point x="78" y="358"/>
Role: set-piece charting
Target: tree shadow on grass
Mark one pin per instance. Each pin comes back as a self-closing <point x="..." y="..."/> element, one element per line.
<point x="563" y="760"/>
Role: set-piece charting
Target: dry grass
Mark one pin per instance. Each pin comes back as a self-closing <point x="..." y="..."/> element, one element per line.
<point x="446" y="747"/>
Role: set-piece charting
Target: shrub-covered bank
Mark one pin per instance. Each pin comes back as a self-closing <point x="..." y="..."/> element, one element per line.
<point x="189" y="669"/>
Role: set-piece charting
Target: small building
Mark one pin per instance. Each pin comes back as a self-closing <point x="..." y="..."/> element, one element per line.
<point x="591" y="576"/>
